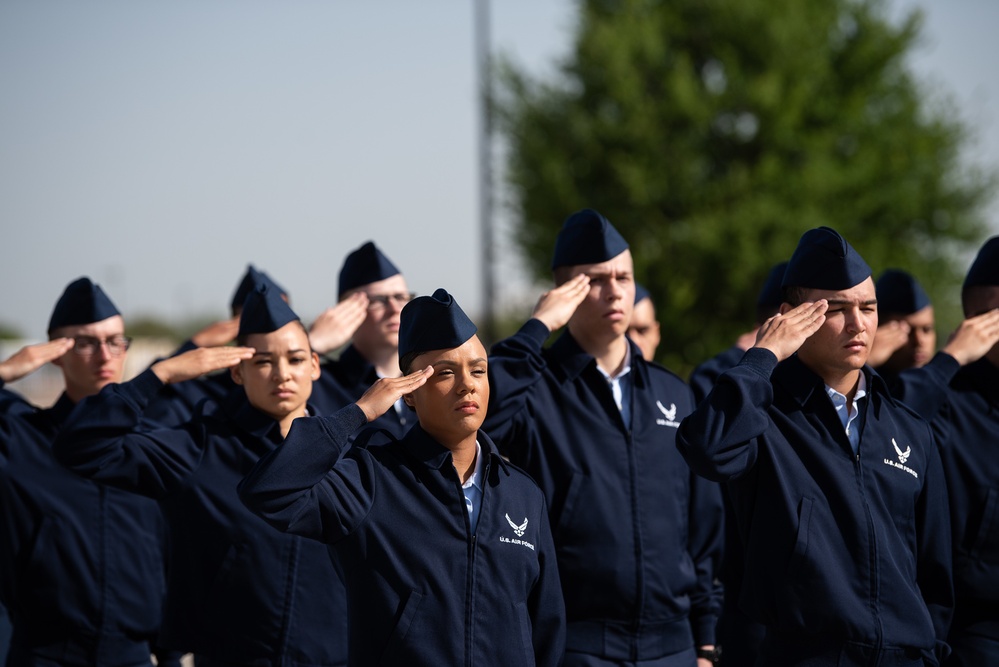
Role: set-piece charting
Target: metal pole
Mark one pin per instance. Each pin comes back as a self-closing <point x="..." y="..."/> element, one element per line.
<point x="482" y="47"/>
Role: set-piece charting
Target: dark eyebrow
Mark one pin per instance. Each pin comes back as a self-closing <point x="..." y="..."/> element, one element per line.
<point x="445" y="362"/>
<point x="844" y="302"/>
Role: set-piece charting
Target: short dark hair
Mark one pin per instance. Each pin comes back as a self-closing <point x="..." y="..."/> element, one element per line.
<point x="971" y="293"/>
<point x="563" y="274"/>
<point x="795" y="295"/>
<point x="406" y="361"/>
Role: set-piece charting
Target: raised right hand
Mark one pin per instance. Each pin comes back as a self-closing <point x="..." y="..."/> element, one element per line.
<point x="30" y="358"/>
<point x="195" y="363"/>
<point x="974" y="337"/>
<point x="784" y="333"/>
<point x="336" y="326"/>
<point x="383" y="394"/>
<point x="217" y="333"/>
<point x="888" y="339"/>
<point x="556" y="306"/>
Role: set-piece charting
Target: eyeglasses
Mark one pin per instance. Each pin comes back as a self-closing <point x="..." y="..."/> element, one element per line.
<point x="88" y="345"/>
<point x="382" y="300"/>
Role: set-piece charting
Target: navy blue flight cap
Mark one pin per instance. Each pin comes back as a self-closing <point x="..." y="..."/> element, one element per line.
<point x="82" y="302"/>
<point x="824" y="260"/>
<point x="900" y="292"/>
<point x="641" y="293"/>
<point x="250" y="280"/>
<point x="264" y="311"/>
<point x="364" y="266"/>
<point x="771" y="295"/>
<point x="985" y="269"/>
<point x="587" y="237"/>
<point x="433" y="323"/>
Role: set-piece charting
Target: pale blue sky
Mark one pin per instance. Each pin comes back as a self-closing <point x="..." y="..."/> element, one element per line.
<point x="159" y="146"/>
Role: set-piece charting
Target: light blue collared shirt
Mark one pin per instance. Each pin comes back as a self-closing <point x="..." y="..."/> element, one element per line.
<point x="473" y="489"/>
<point x="620" y="386"/>
<point x="847" y="416"/>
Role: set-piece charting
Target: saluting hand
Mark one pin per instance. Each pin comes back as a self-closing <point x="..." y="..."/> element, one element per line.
<point x="195" y="363"/>
<point x="974" y="337"/>
<point x="336" y="326"/>
<point x="556" y="306"/>
<point x="30" y="358"/>
<point x="888" y="339"/>
<point x="784" y="333"/>
<point x="383" y="394"/>
<point x="218" y="333"/>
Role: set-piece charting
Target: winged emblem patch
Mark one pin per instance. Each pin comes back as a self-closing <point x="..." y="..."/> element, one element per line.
<point x="518" y="530"/>
<point x="902" y="456"/>
<point x="669" y="414"/>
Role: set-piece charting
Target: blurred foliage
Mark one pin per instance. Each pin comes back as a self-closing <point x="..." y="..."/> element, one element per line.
<point x="713" y="133"/>
<point x="151" y="327"/>
<point x="10" y="332"/>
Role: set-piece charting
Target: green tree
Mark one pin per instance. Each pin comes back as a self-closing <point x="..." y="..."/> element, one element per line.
<point x="712" y="133"/>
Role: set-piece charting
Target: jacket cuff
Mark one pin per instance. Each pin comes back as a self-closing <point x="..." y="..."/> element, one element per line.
<point x="345" y="420"/>
<point x="761" y="361"/>
<point x="534" y="331"/>
<point x="703" y="629"/>
<point x="141" y="389"/>
<point x="943" y="366"/>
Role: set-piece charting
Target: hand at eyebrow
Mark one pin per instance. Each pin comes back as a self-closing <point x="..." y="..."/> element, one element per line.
<point x="784" y="333"/>
<point x="383" y="394"/>
<point x="195" y="363"/>
<point x="30" y="358"/>
<point x="556" y="306"/>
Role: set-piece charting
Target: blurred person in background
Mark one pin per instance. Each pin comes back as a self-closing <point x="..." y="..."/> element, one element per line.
<point x="81" y="566"/>
<point x="644" y="327"/>
<point x="371" y="292"/>
<point x="958" y="392"/>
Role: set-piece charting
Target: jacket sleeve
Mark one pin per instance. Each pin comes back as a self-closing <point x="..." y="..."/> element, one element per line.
<point x="925" y="389"/>
<point x="705" y="543"/>
<point x="720" y="438"/>
<point x="546" y="606"/>
<point x="305" y="487"/>
<point x="933" y="548"/>
<point x="515" y="368"/>
<point x="105" y="439"/>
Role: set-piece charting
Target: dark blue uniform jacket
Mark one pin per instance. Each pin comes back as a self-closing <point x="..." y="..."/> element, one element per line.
<point x="840" y="548"/>
<point x="705" y="375"/>
<point x="422" y="588"/>
<point x="345" y="380"/>
<point x="638" y="536"/>
<point x="81" y="565"/>
<point x="962" y="405"/>
<point x="238" y="591"/>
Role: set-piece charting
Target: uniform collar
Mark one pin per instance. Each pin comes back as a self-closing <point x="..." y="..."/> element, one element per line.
<point x="420" y="446"/>
<point x="571" y="360"/>
<point x="800" y="381"/>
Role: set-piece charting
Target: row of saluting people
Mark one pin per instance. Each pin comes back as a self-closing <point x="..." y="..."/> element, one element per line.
<point x="540" y="505"/>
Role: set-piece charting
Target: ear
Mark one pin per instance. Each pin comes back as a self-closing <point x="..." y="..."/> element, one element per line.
<point x="408" y="400"/>
<point x="237" y="373"/>
<point x="784" y="307"/>
<point x="316" y="367"/>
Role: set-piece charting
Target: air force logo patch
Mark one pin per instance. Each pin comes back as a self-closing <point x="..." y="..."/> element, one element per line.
<point x="669" y="414"/>
<point x="518" y="530"/>
<point x="902" y="458"/>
